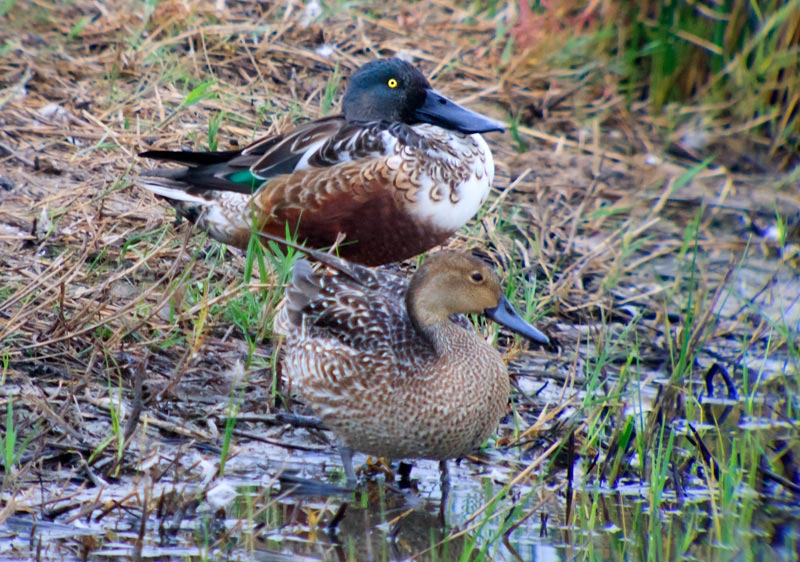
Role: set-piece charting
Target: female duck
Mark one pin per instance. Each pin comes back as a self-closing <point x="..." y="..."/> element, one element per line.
<point x="397" y="173"/>
<point x="387" y="366"/>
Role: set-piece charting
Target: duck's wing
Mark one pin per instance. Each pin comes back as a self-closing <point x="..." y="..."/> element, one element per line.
<point x="244" y="171"/>
<point x="360" y="307"/>
<point x="296" y="150"/>
<point x="322" y="143"/>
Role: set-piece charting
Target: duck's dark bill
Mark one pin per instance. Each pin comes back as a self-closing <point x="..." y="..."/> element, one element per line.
<point x="438" y="110"/>
<point x="505" y="314"/>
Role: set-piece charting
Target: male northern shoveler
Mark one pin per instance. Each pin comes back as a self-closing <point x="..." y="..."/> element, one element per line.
<point x="387" y="365"/>
<point x="397" y="173"/>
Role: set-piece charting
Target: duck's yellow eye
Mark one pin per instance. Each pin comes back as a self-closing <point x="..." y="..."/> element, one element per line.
<point x="392" y="83"/>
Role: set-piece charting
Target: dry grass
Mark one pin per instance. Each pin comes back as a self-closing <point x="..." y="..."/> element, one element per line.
<point x="104" y="302"/>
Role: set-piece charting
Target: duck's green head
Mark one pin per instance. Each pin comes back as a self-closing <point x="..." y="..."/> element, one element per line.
<point x="394" y="90"/>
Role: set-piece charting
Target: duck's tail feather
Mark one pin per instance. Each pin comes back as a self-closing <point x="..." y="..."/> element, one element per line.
<point x="191" y="158"/>
<point x="353" y="271"/>
<point x="303" y="290"/>
<point x="170" y="185"/>
<point x="224" y="215"/>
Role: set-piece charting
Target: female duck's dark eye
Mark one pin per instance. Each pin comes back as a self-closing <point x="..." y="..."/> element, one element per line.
<point x="476" y="276"/>
<point x="392" y="83"/>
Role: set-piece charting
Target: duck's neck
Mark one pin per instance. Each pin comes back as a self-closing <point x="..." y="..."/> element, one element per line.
<point x="448" y="338"/>
<point x="427" y="315"/>
<point x="430" y="315"/>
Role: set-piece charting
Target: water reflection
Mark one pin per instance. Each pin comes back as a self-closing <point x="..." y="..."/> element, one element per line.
<point x="377" y="522"/>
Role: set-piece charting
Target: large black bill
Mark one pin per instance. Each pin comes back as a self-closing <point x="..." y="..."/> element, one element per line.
<point x="438" y="110"/>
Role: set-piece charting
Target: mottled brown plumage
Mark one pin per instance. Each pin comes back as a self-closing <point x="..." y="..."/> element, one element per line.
<point x="387" y="366"/>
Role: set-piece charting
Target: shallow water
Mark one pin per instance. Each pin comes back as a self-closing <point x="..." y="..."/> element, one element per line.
<point x="253" y="513"/>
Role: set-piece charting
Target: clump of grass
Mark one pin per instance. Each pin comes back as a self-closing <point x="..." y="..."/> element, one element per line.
<point x="214" y="124"/>
<point x="5" y="362"/>
<point x="234" y="406"/>
<point x="8" y="440"/>
<point x="6" y="6"/>
<point x="740" y="55"/>
<point x="331" y="87"/>
<point x="711" y="72"/>
<point x="14" y="440"/>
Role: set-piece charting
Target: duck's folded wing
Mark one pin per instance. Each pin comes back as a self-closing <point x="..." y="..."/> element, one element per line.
<point x="284" y="154"/>
<point x="360" y="307"/>
<point x="246" y="170"/>
<point x="316" y="145"/>
<point x="319" y="144"/>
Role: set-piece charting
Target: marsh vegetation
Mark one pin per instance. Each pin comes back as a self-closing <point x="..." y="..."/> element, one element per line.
<point x="645" y="213"/>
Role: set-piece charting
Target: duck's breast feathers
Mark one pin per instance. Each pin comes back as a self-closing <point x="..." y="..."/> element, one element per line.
<point x="449" y="178"/>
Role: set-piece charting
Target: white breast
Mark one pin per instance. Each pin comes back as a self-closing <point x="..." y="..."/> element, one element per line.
<point x="455" y="178"/>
